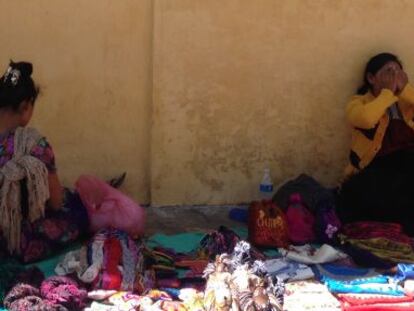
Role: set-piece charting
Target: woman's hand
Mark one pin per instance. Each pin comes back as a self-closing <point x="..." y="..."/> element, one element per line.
<point x="387" y="79"/>
<point x="402" y="80"/>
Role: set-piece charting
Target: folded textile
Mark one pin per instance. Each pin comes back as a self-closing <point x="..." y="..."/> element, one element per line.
<point x="288" y="270"/>
<point x="341" y="272"/>
<point x="377" y="244"/>
<point x="309" y="296"/>
<point x="308" y="254"/>
<point x="404" y="306"/>
<point x="386" y="249"/>
<point x="378" y="279"/>
<point x="409" y="287"/>
<point x="366" y="299"/>
<point x="405" y="271"/>
<point x="372" y="229"/>
<point x="367" y="302"/>
<point x="375" y="285"/>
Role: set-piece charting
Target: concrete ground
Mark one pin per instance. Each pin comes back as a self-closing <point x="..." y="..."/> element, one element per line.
<point x="176" y="219"/>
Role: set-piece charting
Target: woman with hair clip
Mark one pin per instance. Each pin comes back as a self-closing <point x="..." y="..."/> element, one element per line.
<point x="37" y="215"/>
<point x="379" y="184"/>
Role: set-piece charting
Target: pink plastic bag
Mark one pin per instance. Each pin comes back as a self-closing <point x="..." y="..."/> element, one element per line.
<point x="300" y="221"/>
<point x="108" y="207"/>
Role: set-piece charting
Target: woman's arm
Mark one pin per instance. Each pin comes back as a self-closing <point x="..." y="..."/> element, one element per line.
<point x="407" y="94"/>
<point x="44" y="152"/>
<point x="56" y="192"/>
<point x="366" y="115"/>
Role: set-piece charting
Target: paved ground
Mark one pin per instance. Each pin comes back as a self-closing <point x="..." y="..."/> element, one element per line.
<point x="177" y="219"/>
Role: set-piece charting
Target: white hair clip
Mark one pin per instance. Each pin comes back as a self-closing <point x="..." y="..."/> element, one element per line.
<point x="15" y="75"/>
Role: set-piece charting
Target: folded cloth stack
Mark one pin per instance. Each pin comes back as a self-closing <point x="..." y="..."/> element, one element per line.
<point x="376" y="244"/>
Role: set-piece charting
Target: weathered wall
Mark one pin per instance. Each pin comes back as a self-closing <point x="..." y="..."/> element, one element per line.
<point x="240" y="85"/>
<point x="93" y="61"/>
<point x="235" y="86"/>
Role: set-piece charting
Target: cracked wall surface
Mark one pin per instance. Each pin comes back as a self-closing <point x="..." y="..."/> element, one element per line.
<point x="195" y="98"/>
<point x="244" y="85"/>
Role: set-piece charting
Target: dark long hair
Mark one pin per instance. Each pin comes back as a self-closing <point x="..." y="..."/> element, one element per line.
<point x="374" y="65"/>
<point x="17" y="85"/>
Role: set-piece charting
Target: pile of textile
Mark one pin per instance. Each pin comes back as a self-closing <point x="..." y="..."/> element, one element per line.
<point x="233" y="282"/>
<point x="223" y="272"/>
<point x="376" y="244"/>
<point x="111" y="260"/>
<point x="379" y="292"/>
<point x="55" y="294"/>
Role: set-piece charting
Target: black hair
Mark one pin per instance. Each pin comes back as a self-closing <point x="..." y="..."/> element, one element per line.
<point x="17" y="85"/>
<point x="374" y="65"/>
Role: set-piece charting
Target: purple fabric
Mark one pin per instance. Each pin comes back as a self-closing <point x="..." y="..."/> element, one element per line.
<point x="57" y="229"/>
<point x="43" y="151"/>
<point x="327" y="222"/>
<point x="65" y="291"/>
<point x="56" y="294"/>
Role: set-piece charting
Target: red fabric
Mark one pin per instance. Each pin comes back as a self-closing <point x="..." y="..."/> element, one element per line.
<point x="267" y="225"/>
<point x="373" y="229"/>
<point x="112" y="277"/>
<point x="367" y="302"/>
<point x="363" y="299"/>
<point x="403" y="306"/>
<point x="399" y="136"/>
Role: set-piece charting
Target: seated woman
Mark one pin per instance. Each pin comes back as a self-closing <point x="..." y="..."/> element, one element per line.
<point x="379" y="186"/>
<point x="36" y="216"/>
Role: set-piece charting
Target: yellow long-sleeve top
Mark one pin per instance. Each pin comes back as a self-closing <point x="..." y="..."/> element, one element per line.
<point x="369" y="118"/>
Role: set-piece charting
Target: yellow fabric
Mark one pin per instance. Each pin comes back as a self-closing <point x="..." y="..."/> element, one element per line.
<point x="386" y="249"/>
<point x="366" y="112"/>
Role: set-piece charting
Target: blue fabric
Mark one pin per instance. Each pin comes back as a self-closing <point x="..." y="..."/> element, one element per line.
<point x="343" y="273"/>
<point x="173" y="292"/>
<point x="405" y="271"/>
<point x="376" y="285"/>
<point x="380" y="279"/>
<point x="239" y="214"/>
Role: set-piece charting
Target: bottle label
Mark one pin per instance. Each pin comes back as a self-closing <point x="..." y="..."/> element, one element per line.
<point x="266" y="188"/>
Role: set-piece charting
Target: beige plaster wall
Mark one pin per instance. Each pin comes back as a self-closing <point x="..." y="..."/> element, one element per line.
<point x="194" y="98"/>
<point x="241" y="85"/>
<point x="92" y="59"/>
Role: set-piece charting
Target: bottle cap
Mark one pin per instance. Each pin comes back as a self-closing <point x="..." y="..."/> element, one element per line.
<point x="295" y="198"/>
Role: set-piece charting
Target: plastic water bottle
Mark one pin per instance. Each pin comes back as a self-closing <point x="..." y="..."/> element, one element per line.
<point x="266" y="185"/>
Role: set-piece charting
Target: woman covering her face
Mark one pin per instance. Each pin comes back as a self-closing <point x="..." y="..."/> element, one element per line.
<point x="379" y="184"/>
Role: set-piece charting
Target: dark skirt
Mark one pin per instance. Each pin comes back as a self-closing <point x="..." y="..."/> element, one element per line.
<point x="53" y="232"/>
<point x="383" y="191"/>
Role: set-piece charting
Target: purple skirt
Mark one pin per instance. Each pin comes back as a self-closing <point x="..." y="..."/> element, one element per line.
<point x="53" y="232"/>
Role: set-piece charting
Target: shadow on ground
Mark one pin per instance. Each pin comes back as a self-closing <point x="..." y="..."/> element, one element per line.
<point x="175" y="219"/>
